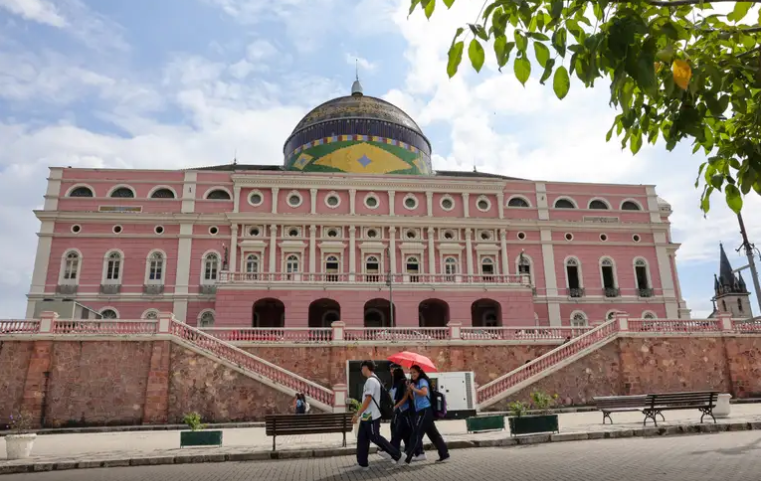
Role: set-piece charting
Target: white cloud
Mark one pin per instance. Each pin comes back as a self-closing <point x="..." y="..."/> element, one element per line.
<point x="40" y="11"/>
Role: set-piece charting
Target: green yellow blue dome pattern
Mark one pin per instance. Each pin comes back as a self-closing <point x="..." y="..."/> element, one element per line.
<point x="359" y="154"/>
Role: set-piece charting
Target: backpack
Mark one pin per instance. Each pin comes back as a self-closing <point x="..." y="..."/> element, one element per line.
<point x="386" y="404"/>
<point x="438" y="403"/>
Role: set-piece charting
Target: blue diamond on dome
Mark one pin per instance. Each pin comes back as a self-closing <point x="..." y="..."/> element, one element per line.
<point x="364" y="161"/>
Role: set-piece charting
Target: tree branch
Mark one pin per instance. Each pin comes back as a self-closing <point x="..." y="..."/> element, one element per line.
<point x="749" y="52"/>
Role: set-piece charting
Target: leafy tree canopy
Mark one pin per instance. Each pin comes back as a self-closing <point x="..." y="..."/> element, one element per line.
<point x="677" y="70"/>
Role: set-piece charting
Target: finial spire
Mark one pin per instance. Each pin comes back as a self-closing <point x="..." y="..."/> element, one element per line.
<point x="356" y="87"/>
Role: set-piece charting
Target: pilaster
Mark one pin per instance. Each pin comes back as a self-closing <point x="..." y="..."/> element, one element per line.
<point x="391" y="197"/>
<point x="469" y="247"/>
<point x="273" y="248"/>
<point x="352" y="253"/>
<point x="352" y="201"/>
<point x="431" y="252"/>
<point x="275" y="192"/>
<point x="313" y="199"/>
<point x="466" y="204"/>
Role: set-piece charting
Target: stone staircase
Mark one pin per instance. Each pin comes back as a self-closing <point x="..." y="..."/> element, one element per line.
<point x="252" y="366"/>
<point x="543" y="366"/>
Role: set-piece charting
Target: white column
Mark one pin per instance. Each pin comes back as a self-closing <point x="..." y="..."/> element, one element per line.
<point x="234" y="249"/>
<point x="431" y="252"/>
<point x="466" y="204"/>
<point x="429" y="201"/>
<point x="313" y="194"/>
<point x="392" y="249"/>
<point x="652" y="205"/>
<point x="503" y="248"/>
<point x="236" y="198"/>
<point x="541" y="201"/>
<point x="550" y="279"/>
<point x="391" y="195"/>
<point x="312" y="249"/>
<point x="275" y="191"/>
<point x="54" y="188"/>
<point x="501" y="200"/>
<point x="189" y="192"/>
<point x="469" y="249"/>
<point x="352" y="252"/>
<point x="352" y="200"/>
<point x="182" y="276"/>
<point x="42" y="260"/>
<point x="273" y="247"/>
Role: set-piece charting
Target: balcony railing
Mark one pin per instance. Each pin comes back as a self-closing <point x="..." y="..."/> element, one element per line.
<point x="207" y="289"/>
<point x="374" y="278"/>
<point x="270" y="335"/>
<point x="110" y="288"/>
<point x="612" y="292"/>
<point x="521" y="333"/>
<point x="576" y="292"/>
<point x="153" y="289"/>
<point x="646" y="292"/>
<point x="396" y="334"/>
<point x="675" y="325"/>
<point x="67" y="289"/>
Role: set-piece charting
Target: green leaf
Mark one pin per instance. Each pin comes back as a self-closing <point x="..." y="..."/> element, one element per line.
<point x="522" y="68"/>
<point x="476" y="54"/>
<point x="734" y="199"/>
<point x="542" y="53"/>
<point x="429" y="6"/>
<point x="521" y="41"/>
<point x="502" y="49"/>
<point x="538" y="36"/>
<point x="559" y="40"/>
<point x="449" y="3"/>
<point x="636" y="143"/>
<point x="457" y="34"/>
<point x="455" y="57"/>
<point x="556" y="8"/>
<point x="739" y="12"/>
<point x="705" y="202"/>
<point x="413" y="5"/>
<point x="561" y="82"/>
<point x="547" y="71"/>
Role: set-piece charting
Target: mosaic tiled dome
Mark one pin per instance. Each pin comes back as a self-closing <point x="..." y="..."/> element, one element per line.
<point x="358" y="134"/>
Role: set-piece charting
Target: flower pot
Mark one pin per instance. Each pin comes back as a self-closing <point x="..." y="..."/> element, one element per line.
<point x="19" y="446"/>
<point x="544" y="423"/>
<point x="200" y="438"/>
<point x="722" y="408"/>
<point x="485" y="423"/>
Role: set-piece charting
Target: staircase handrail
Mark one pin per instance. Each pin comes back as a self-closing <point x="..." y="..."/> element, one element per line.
<point x="536" y="366"/>
<point x="248" y="361"/>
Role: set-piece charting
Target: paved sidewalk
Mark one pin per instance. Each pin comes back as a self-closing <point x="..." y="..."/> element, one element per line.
<point x="160" y="447"/>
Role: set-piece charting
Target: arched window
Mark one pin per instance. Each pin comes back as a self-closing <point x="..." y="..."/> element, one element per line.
<point x="598" y="205"/>
<point x="81" y="192"/>
<point x="372" y="269"/>
<point x="210" y="268"/>
<point x="608" y="278"/>
<point x="156" y="268"/>
<point x="610" y="315"/>
<point x="108" y="314"/>
<point x="739" y="305"/>
<point x="206" y="319"/>
<point x="573" y="277"/>
<point x="292" y="266"/>
<point x="630" y="205"/>
<point x="331" y="268"/>
<point x="517" y="202"/>
<point x="113" y="267"/>
<point x="218" y="194"/>
<point x="523" y="266"/>
<point x="123" y="193"/>
<point x="450" y="268"/>
<point x="162" y="193"/>
<point x="71" y="267"/>
<point x="649" y="315"/>
<point x="252" y="266"/>
<point x="578" y="319"/>
<point x="487" y="269"/>
<point x="412" y="267"/>
<point x="564" y="204"/>
<point x="151" y="315"/>
<point x="643" y="278"/>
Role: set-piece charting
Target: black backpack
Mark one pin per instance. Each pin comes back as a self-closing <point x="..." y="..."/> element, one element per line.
<point x="386" y="404"/>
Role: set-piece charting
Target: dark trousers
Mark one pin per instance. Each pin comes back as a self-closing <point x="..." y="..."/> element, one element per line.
<point x="369" y="431"/>
<point x="401" y="430"/>
<point x="424" y="426"/>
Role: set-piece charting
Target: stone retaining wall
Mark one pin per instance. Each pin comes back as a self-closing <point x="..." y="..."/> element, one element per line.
<point x="86" y="383"/>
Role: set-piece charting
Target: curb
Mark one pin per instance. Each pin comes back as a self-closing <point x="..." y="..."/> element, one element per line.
<point x="333" y="452"/>
<point x="146" y="427"/>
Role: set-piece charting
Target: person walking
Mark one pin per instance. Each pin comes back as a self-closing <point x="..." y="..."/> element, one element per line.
<point x="369" y="415"/>
<point x="420" y="390"/>
<point x="404" y="414"/>
<point x="300" y="404"/>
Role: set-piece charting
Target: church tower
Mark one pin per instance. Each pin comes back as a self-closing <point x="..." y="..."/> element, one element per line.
<point x="731" y="294"/>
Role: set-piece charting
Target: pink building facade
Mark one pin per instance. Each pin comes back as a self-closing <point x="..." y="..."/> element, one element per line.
<point x="355" y="222"/>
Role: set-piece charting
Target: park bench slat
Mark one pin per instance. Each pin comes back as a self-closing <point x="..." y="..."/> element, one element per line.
<point x="609" y="404"/>
<point x="702" y="401"/>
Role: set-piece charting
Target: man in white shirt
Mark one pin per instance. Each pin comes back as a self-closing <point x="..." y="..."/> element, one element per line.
<point x="369" y="415"/>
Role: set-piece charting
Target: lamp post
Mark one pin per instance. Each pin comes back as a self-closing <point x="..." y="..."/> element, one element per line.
<point x="751" y="261"/>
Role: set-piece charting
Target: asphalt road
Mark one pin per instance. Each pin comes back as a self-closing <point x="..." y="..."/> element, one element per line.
<point x="715" y="457"/>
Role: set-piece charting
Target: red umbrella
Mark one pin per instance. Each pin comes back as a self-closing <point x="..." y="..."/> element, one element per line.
<point x="408" y="359"/>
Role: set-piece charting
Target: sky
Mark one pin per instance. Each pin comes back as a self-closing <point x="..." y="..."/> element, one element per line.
<point x="184" y="83"/>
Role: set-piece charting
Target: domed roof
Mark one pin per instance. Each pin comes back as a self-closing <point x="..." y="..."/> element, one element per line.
<point x="358" y="134"/>
<point x="357" y="106"/>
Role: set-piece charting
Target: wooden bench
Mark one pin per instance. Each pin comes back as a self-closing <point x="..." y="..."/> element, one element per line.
<point x="611" y="404"/>
<point x="293" y="424"/>
<point x="656" y="403"/>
